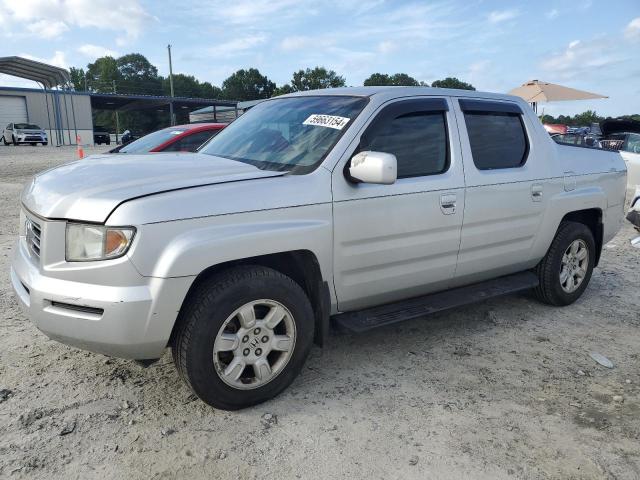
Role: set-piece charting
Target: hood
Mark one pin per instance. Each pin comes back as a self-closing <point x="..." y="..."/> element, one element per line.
<point x="609" y="127"/>
<point x="90" y="189"/>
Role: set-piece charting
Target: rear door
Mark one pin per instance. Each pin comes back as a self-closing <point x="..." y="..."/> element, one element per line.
<point x="505" y="189"/>
<point x="398" y="241"/>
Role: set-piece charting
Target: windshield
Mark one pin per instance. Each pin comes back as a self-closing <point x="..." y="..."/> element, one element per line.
<point x="292" y="134"/>
<point x="26" y="126"/>
<point x="151" y="141"/>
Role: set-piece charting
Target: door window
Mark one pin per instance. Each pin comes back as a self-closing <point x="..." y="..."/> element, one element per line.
<point x="416" y="136"/>
<point x="496" y="134"/>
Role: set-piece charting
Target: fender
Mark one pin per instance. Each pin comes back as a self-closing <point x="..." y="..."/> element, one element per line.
<point x="186" y="248"/>
<point x="563" y="203"/>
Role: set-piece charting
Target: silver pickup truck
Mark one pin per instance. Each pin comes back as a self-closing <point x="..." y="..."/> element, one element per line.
<point x="359" y="207"/>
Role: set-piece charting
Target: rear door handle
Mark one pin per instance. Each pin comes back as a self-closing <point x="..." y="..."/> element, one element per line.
<point x="448" y="203"/>
<point x="536" y="192"/>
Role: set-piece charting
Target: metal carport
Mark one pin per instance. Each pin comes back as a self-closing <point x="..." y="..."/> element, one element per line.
<point x="49" y="77"/>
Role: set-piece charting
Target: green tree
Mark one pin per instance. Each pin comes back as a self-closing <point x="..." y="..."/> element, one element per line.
<point x="317" y="78"/>
<point x="137" y="75"/>
<point x="189" y="86"/>
<point x="77" y="79"/>
<point x="587" y="118"/>
<point x="283" y="90"/>
<point x="101" y="74"/>
<point x="397" y="79"/>
<point x="247" y="85"/>
<point x="452" y="82"/>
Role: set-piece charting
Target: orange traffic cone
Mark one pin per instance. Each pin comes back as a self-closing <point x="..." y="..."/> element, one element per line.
<point x="80" y="149"/>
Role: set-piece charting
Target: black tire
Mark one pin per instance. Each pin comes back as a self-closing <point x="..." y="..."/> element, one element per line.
<point x="4" y="140"/>
<point x="550" y="290"/>
<point x="204" y="313"/>
<point x="108" y="142"/>
<point x="13" y="139"/>
<point x="44" y="144"/>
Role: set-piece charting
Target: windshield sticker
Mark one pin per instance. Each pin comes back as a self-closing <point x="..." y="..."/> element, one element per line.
<point x="331" y="121"/>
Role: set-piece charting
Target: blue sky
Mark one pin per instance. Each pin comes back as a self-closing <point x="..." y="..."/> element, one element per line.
<point x="591" y="45"/>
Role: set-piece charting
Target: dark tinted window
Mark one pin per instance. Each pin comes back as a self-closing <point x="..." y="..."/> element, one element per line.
<point x="191" y="142"/>
<point x="497" y="139"/>
<point x="417" y="139"/>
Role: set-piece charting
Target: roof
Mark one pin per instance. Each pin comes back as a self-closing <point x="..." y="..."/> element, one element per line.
<point x="48" y="75"/>
<point x="124" y="101"/>
<point x="200" y="126"/>
<point x="394" y="92"/>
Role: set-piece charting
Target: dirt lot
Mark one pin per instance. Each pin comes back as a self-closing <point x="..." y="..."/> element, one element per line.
<point x="503" y="389"/>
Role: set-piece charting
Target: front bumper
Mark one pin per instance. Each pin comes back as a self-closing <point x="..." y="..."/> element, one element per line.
<point x="31" y="138"/>
<point x="122" y="321"/>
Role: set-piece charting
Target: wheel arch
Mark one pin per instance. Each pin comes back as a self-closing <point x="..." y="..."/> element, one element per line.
<point x="302" y="266"/>
<point x="592" y="218"/>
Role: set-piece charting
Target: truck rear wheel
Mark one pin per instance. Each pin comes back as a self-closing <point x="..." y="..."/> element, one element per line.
<point x="243" y="336"/>
<point x="566" y="269"/>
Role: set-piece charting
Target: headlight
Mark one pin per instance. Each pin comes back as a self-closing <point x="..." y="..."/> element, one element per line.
<point x="96" y="242"/>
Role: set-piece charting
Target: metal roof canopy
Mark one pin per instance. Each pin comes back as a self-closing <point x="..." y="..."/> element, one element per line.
<point x="47" y="75"/>
<point x="128" y="102"/>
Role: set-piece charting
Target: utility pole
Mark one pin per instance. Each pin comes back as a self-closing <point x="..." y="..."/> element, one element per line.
<point x="85" y="82"/>
<point x="171" y="115"/>
<point x="117" y="119"/>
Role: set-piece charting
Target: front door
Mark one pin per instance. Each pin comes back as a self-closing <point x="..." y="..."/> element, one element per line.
<point x="399" y="241"/>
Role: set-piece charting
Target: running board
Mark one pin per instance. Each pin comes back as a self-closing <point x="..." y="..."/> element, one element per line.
<point x="363" y="320"/>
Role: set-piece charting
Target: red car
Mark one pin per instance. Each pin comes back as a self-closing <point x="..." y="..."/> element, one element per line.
<point x="181" y="138"/>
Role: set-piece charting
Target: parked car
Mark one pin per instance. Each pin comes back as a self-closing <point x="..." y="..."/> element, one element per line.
<point x="624" y="135"/>
<point x="577" y="139"/>
<point x="634" y="216"/>
<point x="555" y="128"/>
<point x="365" y="205"/>
<point x="17" y="133"/>
<point x="101" y="135"/>
<point x="181" y="138"/>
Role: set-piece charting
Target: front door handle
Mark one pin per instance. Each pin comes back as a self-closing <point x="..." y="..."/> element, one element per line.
<point x="448" y="203"/>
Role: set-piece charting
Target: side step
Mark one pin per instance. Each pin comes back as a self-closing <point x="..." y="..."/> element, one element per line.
<point x="369" y="318"/>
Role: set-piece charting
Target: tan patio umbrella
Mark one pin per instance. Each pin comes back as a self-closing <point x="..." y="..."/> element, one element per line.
<point x="538" y="91"/>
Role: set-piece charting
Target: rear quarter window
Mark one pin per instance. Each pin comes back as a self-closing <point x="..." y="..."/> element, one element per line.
<point x="498" y="139"/>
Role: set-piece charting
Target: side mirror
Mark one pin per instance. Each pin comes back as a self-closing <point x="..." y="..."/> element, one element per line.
<point x="374" y="167"/>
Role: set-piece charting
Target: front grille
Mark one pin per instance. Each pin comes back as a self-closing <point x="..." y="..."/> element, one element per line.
<point x="34" y="236"/>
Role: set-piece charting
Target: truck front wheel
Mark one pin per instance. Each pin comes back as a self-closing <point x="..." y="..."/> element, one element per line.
<point x="243" y="336"/>
<point x="566" y="269"/>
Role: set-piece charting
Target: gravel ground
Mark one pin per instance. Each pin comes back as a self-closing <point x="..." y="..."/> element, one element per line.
<point x="502" y="389"/>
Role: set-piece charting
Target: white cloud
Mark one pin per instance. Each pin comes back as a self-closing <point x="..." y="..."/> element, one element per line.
<point x="632" y="31"/>
<point x="498" y="16"/>
<point x="50" y="18"/>
<point x="96" y="51"/>
<point x="248" y="11"/>
<point x="47" y="29"/>
<point x="237" y="46"/>
<point x="387" y="46"/>
<point x="295" y="42"/>
<point x="553" y="13"/>
<point x="581" y="59"/>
